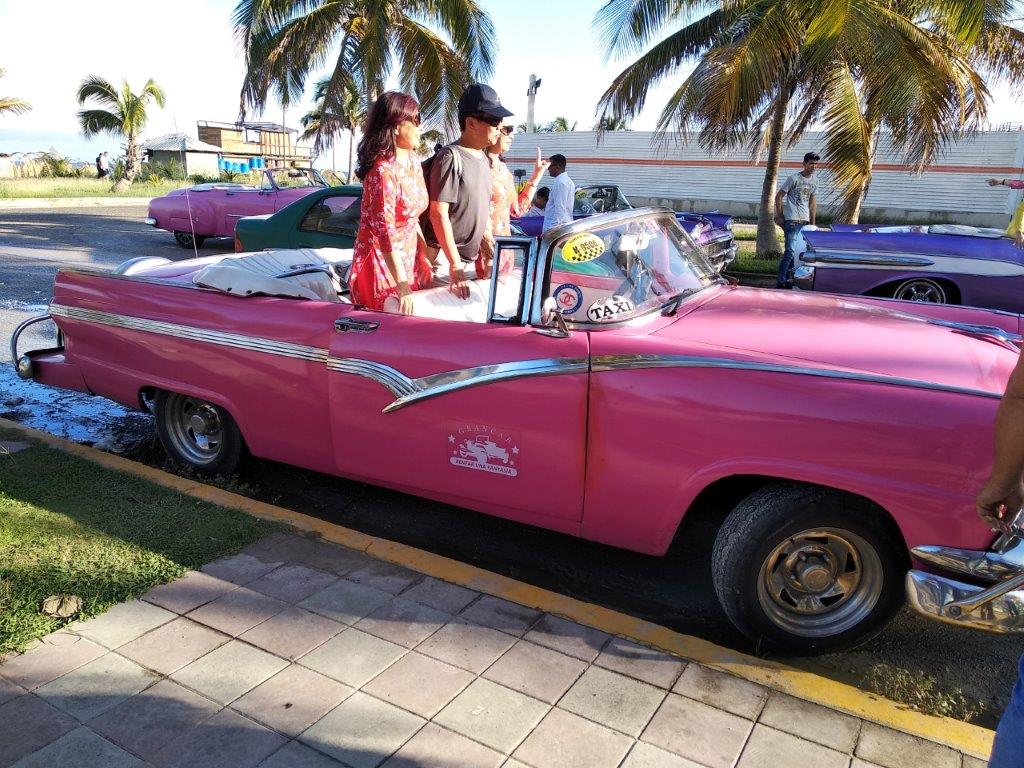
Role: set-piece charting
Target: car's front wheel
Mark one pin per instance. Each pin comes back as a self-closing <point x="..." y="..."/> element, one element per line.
<point x="921" y="289"/>
<point x="188" y="240"/>
<point x="198" y="433"/>
<point x="803" y="569"/>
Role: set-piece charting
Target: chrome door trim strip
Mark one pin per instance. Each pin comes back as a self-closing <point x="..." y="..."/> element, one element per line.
<point x="602" y="363"/>
<point x="841" y="257"/>
<point x="219" y="338"/>
<point x="408" y="391"/>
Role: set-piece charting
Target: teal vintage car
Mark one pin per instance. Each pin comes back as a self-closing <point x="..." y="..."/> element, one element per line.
<point x="327" y="218"/>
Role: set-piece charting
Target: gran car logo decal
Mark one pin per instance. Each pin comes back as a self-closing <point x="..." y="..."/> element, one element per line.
<point x="484" y="448"/>
<point x="582" y="247"/>
<point x="569" y="298"/>
<point x="610" y="308"/>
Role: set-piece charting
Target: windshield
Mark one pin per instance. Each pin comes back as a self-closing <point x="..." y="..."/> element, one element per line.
<point x="618" y="272"/>
<point x="599" y="199"/>
<point x="288" y="178"/>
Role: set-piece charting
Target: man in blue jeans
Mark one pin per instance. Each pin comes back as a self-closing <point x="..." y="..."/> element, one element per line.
<point x="795" y="206"/>
<point x="1002" y="497"/>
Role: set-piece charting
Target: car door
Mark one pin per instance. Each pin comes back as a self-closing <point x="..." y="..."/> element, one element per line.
<point x="331" y="222"/>
<point x="487" y="415"/>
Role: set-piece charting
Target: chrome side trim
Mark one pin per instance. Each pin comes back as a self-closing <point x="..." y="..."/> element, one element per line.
<point x="601" y="363"/>
<point x="408" y="391"/>
<point x="988" y="567"/>
<point x="991" y="332"/>
<point x="931" y="596"/>
<point x="220" y="338"/>
<point x="813" y="257"/>
<point x="840" y="258"/>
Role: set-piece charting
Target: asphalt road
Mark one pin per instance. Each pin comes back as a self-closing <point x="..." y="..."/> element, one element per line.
<point x="674" y="591"/>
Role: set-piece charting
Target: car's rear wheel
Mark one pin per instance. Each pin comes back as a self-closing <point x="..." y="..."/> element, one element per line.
<point x="198" y="433"/>
<point x="921" y="289"/>
<point x="803" y="569"/>
<point x="188" y="240"/>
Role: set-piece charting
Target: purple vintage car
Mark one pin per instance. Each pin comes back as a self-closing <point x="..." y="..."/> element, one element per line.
<point x="211" y="210"/>
<point x="712" y="231"/>
<point x="940" y="263"/>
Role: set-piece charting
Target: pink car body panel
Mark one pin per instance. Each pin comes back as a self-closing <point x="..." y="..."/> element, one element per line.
<point x="616" y="456"/>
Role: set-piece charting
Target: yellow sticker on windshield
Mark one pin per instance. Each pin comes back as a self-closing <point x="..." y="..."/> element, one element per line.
<point x="582" y="247"/>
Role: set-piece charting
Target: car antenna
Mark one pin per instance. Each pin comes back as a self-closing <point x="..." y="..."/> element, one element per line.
<point x="188" y="201"/>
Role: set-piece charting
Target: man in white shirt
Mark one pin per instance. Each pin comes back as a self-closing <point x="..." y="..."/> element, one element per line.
<point x="562" y="197"/>
<point x="795" y="206"/>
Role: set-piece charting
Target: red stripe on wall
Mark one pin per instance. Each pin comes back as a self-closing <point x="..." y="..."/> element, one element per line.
<point x="989" y="169"/>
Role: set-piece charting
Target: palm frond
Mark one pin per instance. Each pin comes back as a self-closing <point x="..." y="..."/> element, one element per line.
<point x="98" y="121"/>
<point x="97" y="88"/>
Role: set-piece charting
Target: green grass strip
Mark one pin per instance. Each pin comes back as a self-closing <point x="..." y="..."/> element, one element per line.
<point x="68" y="526"/>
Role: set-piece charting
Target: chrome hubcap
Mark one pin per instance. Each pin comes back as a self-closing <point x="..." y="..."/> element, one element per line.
<point x="195" y="428"/>
<point x="820" y="582"/>
<point x="922" y="290"/>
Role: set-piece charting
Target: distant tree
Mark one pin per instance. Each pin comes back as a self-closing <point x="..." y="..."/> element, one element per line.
<point x="12" y="104"/>
<point x="560" y="125"/>
<point x="124" y="117"/>
<point x="429" y="138"/>
<point x="324" y="125"/>
<point x="611" y="123"/>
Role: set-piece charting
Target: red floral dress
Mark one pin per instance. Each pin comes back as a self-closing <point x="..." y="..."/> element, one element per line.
<point x="394" y="196"/>
<point x="505" y="203"/>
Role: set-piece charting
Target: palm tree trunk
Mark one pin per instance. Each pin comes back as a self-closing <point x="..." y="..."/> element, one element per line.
<point x="767" y="237"/>
<point x="856" y="200"/>
<point x="131" y="165"/>
<point x="351" y="140"/>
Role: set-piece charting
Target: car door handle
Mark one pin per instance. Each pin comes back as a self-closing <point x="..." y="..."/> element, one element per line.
<point x="346" y="324"/>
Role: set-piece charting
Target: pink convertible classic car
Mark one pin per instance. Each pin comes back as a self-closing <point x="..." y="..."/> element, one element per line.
<point x="212" y="210"/>
<point x="603" y="384"/>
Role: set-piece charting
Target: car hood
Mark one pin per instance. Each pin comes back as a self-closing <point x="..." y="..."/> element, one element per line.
<point x="838" y="333"/>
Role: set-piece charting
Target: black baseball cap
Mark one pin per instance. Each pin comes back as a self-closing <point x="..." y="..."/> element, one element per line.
<point x="811" y="156"/>
<point x="481" y="99"/>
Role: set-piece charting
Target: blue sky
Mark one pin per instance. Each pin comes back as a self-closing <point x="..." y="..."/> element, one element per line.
<point x="188" y="48"/>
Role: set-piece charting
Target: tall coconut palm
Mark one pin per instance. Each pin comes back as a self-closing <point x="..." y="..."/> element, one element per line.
<point x="611" y="123"/>
<point x="12" y="104"/>
<point x="559" y="125"/>
<point x="124" y="116"/>
<point x="324" y="126"/>
<point x="765" y="71"/>
<point x="437" y="47"/>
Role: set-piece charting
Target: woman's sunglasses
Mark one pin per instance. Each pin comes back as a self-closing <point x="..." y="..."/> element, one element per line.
<point x="507" y="129"/>
<point x="414" y="118"/>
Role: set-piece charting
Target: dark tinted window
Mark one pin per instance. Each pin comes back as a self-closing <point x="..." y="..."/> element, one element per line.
<point x="335" y="215"/>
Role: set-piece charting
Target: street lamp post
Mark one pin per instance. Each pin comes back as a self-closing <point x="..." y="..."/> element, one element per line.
<point x="531" y="92"/>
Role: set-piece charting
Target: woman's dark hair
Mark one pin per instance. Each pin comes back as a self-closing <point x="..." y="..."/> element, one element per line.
<point x="386" y="113"/>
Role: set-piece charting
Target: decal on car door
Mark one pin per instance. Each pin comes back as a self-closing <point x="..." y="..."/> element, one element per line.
<point x="483" y="447"/>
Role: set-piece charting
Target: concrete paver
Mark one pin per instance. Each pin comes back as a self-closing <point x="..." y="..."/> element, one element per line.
<point x="54" y="655"/>
<point x="493" y="715"/>
<point x="171" y="646"/>
<point x="189" y="592"/>
<point x="27" y="724"/>
<point x="346" y="601"/>
<point x="122" y="623"/>
<point x="501" y="614"/>
<point x="227" y="672"/>
<point x="237" y="611"/>
<point x="226" y="740"/>
<point x="435" y="747"/>
<point x="563" y="740"/>
<point x="384" y="576"/>
<point x="640" y="662"/>
<point x="312" y="553"/>
<point x="9" y="690"/>
<point x="97" y="686"/>
<point x="613" y="700"/>
<point x="294" y="754"/>
<point x="292" y="633"/>
<point x="353" y="657"/>
<point x="404" y="622"/>
<point x="419" y="684"/>
<point x="768" y="746"/>
<point x="81" y="748"/>
<point x="645" y="755"/>
<point x="811" y="721"/>
<point x="362" y="731"/>
<point x="536" y="671"/>
<point x="292" y="700"/>
<point x="466" y="645"/>
<point x="698" y="732"/>
<point x="741" y="697"/>
<point x="568" y="637"/>
<point x="893" y="749"/>
<point x="293" y="583"/>
<point x="973" y="762"/>
<point x="239" y="569"/>
<point x="450" y="598"/>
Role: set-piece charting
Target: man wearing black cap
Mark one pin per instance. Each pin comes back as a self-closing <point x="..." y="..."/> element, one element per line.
<point x="460" y="186"/>
<point x="795" y="206"/>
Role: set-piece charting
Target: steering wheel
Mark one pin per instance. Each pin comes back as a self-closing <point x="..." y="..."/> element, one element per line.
<point x="598" y="206"/>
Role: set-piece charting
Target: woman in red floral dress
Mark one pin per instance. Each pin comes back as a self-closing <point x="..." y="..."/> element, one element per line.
<point x="505" y="201"/>
<point x="389" y="255"/>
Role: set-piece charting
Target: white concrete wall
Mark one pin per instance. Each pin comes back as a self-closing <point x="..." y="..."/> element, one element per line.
<point x="685" y="177"/>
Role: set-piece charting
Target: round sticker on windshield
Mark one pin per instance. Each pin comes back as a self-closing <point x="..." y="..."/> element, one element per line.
<point x="569" y="298"/>
<point x="582" y="247"/>
<point x="612" y="308"/>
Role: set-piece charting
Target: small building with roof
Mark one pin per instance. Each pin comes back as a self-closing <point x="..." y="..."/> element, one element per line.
<point x="277" y="145"/>
<point x="196" y="156"/>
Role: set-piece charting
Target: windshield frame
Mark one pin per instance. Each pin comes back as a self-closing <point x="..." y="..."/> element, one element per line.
<point x="545" y="258"/>
<point x="316" y="181"/>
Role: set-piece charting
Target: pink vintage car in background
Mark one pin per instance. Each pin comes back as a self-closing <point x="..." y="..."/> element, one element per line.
<point x="604" y="385"/>
<point x="211" y="210"/>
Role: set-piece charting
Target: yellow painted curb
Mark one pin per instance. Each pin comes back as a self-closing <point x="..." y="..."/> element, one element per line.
<point x="970" y="739"/>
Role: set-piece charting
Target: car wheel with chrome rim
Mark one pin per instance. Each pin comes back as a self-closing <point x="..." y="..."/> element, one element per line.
<point x="198" y="433"/>
<point x="804" y="569"/>
<point x="921" y="289"/>
<point x="188" y="240"/>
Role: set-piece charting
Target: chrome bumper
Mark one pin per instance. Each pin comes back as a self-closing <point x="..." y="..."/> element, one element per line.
<point x="150" y="220"/>
<point x="803" y="278"/>
<point x="23" y="364"/>
<point x="996" y="604"/>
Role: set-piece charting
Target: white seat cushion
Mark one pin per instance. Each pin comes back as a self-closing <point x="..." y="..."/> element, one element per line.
<point x="249" y="274"/>
<point x="441" y="304"/>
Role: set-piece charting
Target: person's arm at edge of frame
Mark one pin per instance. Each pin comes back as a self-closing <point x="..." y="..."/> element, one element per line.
<point x="778" y="205"/>
<point x="813" y="208"/>
<point x="442" y="224"/>
<point x="1003" y="493"/>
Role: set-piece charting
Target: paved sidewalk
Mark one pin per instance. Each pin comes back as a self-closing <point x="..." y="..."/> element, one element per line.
<point x="297" y="653"/>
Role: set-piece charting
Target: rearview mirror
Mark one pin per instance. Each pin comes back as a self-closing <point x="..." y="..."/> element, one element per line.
<point x="553" y="319"/>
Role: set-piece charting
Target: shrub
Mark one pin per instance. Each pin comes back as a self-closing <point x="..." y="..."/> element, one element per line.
<point x="55" y="166"/>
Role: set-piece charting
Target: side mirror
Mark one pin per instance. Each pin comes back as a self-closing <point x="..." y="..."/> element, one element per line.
<point x="553" y="319"/>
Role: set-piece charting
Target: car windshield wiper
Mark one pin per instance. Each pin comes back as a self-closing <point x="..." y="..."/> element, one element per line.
<point x="670" y="307"/>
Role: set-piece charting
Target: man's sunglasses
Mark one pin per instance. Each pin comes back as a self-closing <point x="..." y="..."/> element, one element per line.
<point x="491" y="120"/>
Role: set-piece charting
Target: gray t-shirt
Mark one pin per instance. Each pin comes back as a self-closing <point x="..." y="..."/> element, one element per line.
<point x="468" y="195"/>
<point x="796" y="204"/>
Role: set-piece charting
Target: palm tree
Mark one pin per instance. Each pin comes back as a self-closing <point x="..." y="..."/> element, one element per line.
<point x="766" y="71"/>
<point x="559" y="125"/>
<point x="324" y="126"/>
<point x="124" y="117"/>
<point x="12" y="104"/>
<point x="364" y="41"/>
<point x="611" y="123"/>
